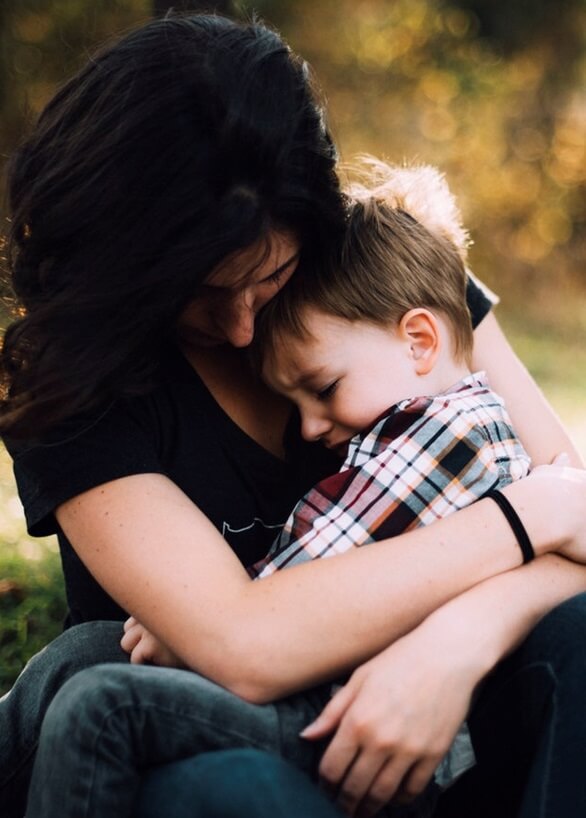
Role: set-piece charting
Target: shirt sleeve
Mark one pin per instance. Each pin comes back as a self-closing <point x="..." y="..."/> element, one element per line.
<point x="480" y="298"/>
<point x="117" y="443"/>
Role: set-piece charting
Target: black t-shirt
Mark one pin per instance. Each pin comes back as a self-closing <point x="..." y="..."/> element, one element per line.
<point x="180" y="431"/>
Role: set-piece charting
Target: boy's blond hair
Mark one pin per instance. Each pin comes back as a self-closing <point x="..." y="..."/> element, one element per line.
<point x="404" y="247"/>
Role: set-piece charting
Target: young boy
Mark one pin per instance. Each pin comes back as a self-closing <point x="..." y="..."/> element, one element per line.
<point x="376" y="355"/>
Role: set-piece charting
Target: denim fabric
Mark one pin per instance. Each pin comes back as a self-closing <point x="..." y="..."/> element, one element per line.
<point x="22" y="709"/>
<point x="232" y="784"/>
<point x="528" y="727"/>
<point x="243" y="783"/>
<point x="109" y="722"/>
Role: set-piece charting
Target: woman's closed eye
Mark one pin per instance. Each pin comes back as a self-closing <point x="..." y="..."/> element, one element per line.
<point x="276" y="277"/>
<point x="285" y="270"/>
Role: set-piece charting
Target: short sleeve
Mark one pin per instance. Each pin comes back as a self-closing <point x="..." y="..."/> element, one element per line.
<point x="480" y="298"/>
<point x="117" y="443"/>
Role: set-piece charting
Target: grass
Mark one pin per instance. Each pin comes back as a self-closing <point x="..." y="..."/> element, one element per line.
<point x="32" y="596"/>
<point x="32" y="606"/>
<point x="557" y="360"/>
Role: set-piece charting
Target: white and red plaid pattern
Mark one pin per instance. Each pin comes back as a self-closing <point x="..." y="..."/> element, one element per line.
<point x="427" y="457"/>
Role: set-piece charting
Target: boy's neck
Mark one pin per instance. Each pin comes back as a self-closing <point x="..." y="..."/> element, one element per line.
<point x="445" y="374"/>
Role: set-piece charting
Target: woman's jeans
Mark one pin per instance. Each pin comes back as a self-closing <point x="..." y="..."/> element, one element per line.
<point x="232" y="784"/>
<point x="528" y="726"/>
<point x="109" y="723"/>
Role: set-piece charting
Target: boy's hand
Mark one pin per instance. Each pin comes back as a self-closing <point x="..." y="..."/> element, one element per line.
<point x="145" y="648"/>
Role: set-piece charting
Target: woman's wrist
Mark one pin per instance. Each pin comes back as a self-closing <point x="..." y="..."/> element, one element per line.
<point x="544" y="506"/>
<point x="517" y="527"/>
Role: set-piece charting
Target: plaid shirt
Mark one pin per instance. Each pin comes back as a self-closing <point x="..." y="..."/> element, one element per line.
<point x="427" y="457"/>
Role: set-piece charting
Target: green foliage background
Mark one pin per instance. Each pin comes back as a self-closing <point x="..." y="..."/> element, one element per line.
<point x="492" y="91"/>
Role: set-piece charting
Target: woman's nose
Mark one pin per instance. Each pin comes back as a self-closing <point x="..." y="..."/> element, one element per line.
<point x="314" y="426"/>
<point x="238" y="320"/>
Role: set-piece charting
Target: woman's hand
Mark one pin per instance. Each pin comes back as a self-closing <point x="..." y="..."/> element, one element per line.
<point x="143" y="647"/>
<point x="396" y="718"/>
<point x="555" y="504"/>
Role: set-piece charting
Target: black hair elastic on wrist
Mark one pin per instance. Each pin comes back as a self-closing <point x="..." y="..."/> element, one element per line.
<point x="514" y="521"/>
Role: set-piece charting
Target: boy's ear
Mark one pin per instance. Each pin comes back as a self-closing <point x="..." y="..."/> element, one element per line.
<point x="420" y="328"/>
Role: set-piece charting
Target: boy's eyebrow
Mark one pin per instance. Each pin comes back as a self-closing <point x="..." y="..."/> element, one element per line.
<point x="308" y="376"/>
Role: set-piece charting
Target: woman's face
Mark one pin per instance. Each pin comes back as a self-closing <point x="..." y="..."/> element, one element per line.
<point x="228" y="304"/>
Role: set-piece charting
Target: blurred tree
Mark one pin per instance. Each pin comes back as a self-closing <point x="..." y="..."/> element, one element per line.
<point x="161" y="7"/>
<point x="499" y="106"/>
<point x="514" y="25"/>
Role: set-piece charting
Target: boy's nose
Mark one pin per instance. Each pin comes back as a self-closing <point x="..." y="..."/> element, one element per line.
<point x="314" y="427"/>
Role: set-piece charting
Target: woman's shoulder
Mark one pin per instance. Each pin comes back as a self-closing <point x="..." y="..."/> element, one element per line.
<point x="123" y="437"/>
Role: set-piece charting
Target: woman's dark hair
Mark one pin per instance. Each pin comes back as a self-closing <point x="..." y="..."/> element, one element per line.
<point x="184" y="142"/>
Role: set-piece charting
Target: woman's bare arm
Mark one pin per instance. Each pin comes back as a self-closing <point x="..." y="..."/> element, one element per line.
<point x="535" y="421"/>
<point x="164" y="562"/>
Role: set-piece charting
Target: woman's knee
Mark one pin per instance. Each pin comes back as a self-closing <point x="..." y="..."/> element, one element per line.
<point x="77" y="648"/>
<point x="83" y="703"/>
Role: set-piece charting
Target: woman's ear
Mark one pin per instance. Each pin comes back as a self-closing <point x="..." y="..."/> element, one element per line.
<point x="419" y="327"/>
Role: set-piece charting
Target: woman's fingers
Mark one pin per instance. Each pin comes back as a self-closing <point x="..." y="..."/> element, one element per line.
<point x="385" y="786"/>
<point x="417" y="778"/>
<point x="357" y="785"/>
<point x="366" y="768"/>
<point x="375" y="779"/>
<point x="330" y="717"/>
<point x="337" y="761"/>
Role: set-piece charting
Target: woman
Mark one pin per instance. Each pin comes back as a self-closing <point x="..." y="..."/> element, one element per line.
<point x="167" y="193"/>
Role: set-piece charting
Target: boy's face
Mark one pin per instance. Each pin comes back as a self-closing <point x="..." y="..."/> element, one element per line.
<point x="343" y="376"/>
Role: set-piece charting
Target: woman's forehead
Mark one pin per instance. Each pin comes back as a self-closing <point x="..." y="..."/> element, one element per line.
<point x="275" y="251"/>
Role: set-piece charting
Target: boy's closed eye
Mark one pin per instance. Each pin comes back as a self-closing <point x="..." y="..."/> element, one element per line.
<point x="328" y="391"/>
